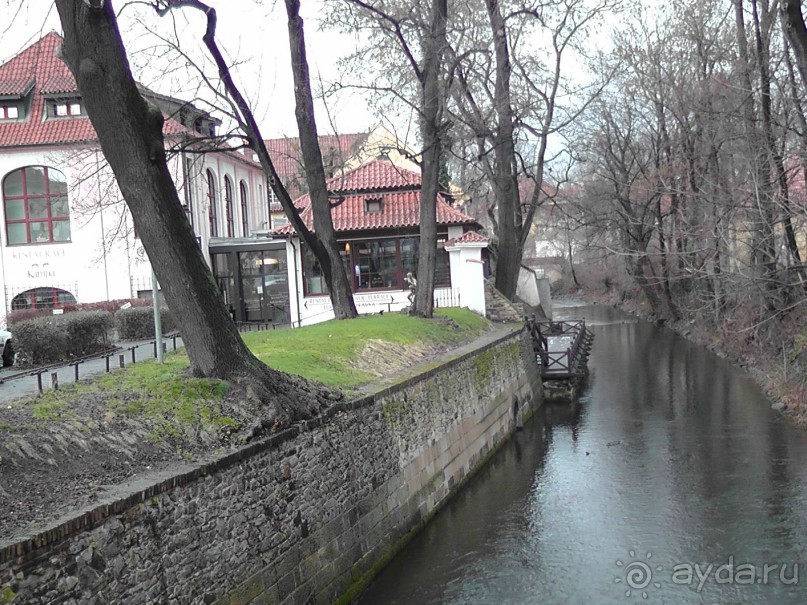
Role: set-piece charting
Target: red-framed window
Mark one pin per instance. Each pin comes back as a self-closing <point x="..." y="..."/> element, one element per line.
<point x="42" y="298"/>
<point x="212" y="203"/>
<point x="35" y="206"/>
<point x="228" y="205"/>
<point x="242" y="190"/>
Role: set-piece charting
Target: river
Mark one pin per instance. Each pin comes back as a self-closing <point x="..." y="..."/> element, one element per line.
<point x="671" y="481"/>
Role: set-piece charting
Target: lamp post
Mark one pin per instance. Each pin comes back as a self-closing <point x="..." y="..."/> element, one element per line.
<point x="158" y="332"/>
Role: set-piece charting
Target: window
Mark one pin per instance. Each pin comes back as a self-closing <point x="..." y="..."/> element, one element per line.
<point x="63" y="108"/>
<point x="376" y="264"/>
<point x="228" y="205"/>
<point x="313" y="278"/>
<point x="212" y="203"/>
<point x="244" y="213"/>
<point x="373" y="205"/>
<point x="35" y="205"/>
<point x="189" y="189"/>
<point x="42" y="298"/>
<point x="9" y="112"/>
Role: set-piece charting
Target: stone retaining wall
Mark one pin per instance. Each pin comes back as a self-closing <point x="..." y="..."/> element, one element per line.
<point x="305" y="516"/>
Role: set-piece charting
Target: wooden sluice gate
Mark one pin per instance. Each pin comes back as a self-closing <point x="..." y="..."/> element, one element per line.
<point x="562" y="349"/>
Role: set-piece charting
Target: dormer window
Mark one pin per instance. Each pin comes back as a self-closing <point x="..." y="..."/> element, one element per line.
<point x="9" y="112"/>
<point x="66" y="108"/>
<point x="373" y="205"/>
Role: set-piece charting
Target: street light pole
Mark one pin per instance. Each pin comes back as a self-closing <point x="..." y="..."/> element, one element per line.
<point x="158" y="331"/>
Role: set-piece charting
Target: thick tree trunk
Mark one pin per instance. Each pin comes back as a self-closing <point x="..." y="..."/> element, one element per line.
<point x="130" y="132"/>
<point x="505" y="184"/>
<point x="796" y="32"/>
<point x="430" y="129"/>
<point x="333" y="269"/>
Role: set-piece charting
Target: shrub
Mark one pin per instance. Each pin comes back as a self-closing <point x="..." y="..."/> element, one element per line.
<point x="61" y="337"/>
<point x="137" y="323"/>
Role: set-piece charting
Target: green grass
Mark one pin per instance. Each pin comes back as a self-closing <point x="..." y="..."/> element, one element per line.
<point x="324" y="352"/>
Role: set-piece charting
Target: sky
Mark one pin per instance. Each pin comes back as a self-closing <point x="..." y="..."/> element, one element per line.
<point x="254" y="34"/>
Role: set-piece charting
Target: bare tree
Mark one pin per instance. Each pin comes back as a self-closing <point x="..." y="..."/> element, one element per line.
<point x="130" y="133"/>
<point x="417" y="32"/>
<point x="322" y="240"/>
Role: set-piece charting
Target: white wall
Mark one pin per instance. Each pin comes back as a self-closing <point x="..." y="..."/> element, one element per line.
<point x="85" y="267"/>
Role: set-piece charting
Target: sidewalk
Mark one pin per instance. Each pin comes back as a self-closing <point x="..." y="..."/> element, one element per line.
<point x="26" y="385"/>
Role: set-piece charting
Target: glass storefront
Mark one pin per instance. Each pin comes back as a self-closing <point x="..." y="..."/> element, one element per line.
<point x="377" y="264"/>
<point x="254" y="284"/>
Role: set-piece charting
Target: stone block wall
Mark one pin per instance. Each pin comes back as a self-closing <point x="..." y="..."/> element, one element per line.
<point x="305" y="516"/>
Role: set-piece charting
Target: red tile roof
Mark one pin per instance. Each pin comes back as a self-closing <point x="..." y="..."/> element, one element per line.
<point x="469" y="237"/>
<point x="287" y="157"/>
<point x="40" y="65"/>
<point x="399" y="191"/>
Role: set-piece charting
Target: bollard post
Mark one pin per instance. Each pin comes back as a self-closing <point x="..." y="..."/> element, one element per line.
<point x="120" y="359"/>
<point x="155" y="348"/>
<point x="175" y="342"/>
<point x="133" y="354"/>
<point x="54" y="380"/>
<point x="107" y="362"/>
<point x="76" y="368"/>
<point x="165" y="348"/>
<point x="39" y="381"/>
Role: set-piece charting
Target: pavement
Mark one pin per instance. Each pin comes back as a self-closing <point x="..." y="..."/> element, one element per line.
<point x="22" y="382"/>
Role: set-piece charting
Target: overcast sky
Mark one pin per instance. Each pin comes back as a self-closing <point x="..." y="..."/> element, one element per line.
<point x="253" y="32"/>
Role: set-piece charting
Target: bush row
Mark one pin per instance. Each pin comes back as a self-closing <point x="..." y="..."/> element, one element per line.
<point x="111" y="306"/>
<point x="57" y="338"/>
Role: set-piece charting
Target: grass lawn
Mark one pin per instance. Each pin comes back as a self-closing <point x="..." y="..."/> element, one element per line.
<point x="322" y="352"/>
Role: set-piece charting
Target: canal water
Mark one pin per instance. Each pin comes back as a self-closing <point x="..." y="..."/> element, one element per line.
<point x="671" y="481"/>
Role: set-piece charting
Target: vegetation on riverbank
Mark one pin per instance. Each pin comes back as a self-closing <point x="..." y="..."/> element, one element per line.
<point x="329" y="354"/>
<point x="771" y="347"/>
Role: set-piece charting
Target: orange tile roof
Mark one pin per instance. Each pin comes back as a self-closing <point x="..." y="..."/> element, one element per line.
<point x="469" y="237"/>
<point x="40" y="66"/>
<point x="399" y="191"/>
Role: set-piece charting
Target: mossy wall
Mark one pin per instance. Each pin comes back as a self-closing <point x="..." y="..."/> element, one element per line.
<point x="309" y="515"/>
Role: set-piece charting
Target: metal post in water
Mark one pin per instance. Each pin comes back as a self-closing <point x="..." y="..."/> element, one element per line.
<point x="158" y="332"/>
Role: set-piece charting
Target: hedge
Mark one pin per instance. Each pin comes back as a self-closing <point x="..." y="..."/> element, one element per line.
<point x="137" y="323"/>
<point x="61" y="337"/>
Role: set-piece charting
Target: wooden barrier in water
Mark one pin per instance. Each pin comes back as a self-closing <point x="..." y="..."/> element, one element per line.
<point x="562" y="349"/>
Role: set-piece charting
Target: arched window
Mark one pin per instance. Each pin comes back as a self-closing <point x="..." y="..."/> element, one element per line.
<point x="35" y="204"/>
<point x="42" y="298"/>
<point x="212" y="202"/>
<point x="244" y="213"/>
<point x="228" y="204"/>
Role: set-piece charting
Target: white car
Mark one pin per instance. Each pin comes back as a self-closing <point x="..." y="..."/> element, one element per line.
<point x="7" y="348"/>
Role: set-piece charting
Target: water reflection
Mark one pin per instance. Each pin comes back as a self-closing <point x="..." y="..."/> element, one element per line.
<point x="671" y="459"/>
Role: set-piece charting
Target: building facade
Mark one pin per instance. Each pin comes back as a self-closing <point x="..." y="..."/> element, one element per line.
<point x="65" y="232"/>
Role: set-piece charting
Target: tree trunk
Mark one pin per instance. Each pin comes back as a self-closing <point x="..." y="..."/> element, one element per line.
<point x="327" y="251"/>
<point x="505" y="184"/>
<point x="430" y="128"/>
<point x="130" y="133"/>
<point x="796" y="32"/>
<point x="324" y="248"/>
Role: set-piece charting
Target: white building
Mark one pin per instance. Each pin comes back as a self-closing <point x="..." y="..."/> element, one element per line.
<point x="66" y="234"/>
<point x="376" y="214"/>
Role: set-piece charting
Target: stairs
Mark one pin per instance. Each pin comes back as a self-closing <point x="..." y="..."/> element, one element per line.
<point x="497" y="308"/>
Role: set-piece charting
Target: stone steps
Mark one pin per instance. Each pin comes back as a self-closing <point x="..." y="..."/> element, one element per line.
<point x="498" y="309"/>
